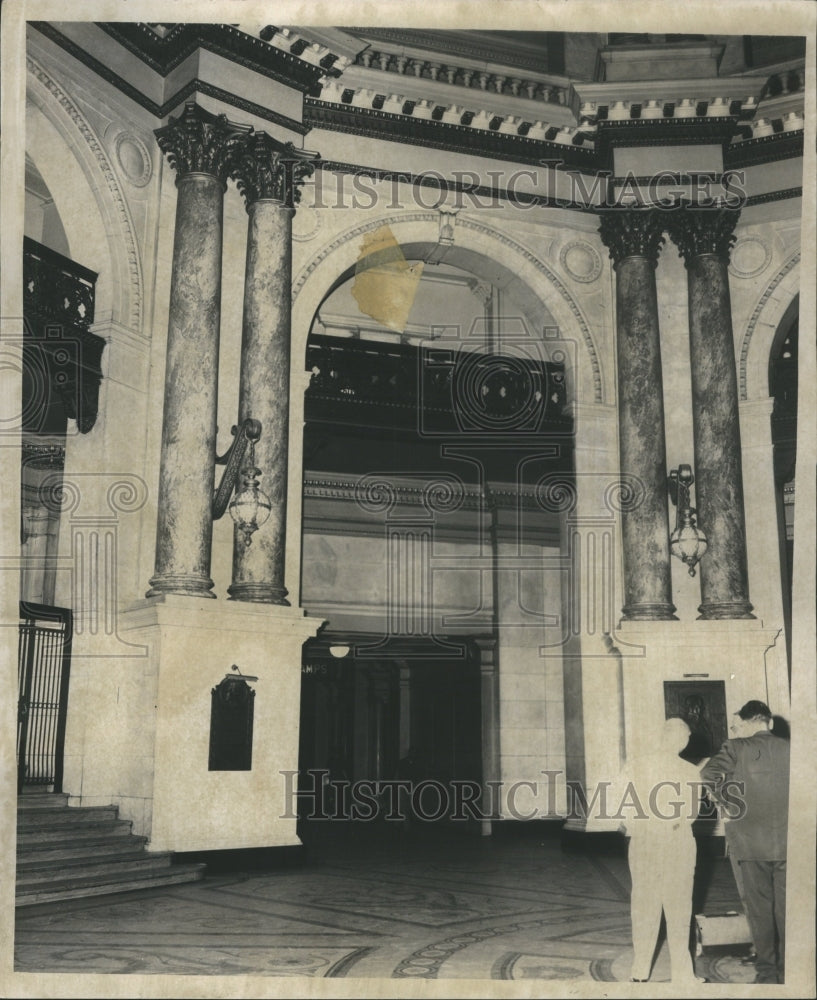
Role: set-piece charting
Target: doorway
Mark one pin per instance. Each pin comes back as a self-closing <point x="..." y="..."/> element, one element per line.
<point x="367" y="721"/>
<point x="44" y="662"/>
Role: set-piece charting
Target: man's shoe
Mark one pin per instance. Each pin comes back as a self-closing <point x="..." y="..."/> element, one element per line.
<point x="749" y="959"/>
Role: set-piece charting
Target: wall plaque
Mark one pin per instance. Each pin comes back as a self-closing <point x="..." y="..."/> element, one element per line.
<point x="231" y="716"/>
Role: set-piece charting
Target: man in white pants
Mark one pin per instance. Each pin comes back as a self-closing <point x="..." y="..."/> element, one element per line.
<point x="661" y="795"/>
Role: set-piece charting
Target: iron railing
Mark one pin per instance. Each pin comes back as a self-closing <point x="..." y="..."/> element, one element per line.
<point x="44" y="664"/>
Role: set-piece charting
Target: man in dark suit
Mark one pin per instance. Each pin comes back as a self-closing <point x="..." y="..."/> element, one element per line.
<point x="749" y="778"/>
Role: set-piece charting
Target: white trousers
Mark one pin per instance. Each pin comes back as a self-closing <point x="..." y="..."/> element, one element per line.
<point x="662" y="868"/>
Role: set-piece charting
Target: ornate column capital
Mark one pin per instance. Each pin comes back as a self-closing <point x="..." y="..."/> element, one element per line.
<point x="632" y="232"/>
<point x="272" y="170"/>
<point x="200" y="142"/>
<point x="699" y="232"/>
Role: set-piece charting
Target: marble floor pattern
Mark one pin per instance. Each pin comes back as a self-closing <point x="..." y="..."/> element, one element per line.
<point x="431" y="906"/>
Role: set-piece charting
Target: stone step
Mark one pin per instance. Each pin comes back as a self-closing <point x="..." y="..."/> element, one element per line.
<point x="52" y="819"/>
<point x="82" y="888"/>
<point x="72" y="834"/>
<point x="115" y="849"/>
<point x="92" y="871"/>
<point x="30" y="801"/>
<point x="66" y="852"/>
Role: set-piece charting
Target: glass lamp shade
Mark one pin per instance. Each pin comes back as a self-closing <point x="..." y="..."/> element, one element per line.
<point x="688" y="543"/>
<point x="250" y="507"/>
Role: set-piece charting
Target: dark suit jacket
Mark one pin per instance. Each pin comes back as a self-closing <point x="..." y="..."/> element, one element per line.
<point x="761" y="764"/>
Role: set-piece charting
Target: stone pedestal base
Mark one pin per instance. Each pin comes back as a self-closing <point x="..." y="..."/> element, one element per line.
<point x="748" y="658"/>
<point x="193" y="644"/>
<point x="615" y="705"/>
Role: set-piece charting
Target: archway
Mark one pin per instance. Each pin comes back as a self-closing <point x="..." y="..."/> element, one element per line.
<point x="480" y="250"/>
<point x="391" y="534"/>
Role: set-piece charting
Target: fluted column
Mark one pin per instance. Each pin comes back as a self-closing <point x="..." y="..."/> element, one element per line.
<point x="268" y="175"/>
<point x="634" y="238"/>
<point x="201" y="149"/>
<point x="704" y="239"/>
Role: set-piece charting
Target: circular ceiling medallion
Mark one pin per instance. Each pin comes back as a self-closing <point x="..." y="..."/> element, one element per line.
<point x="580" y="261"/>
<point x="134" y="158"/>
<point x="750" y="256"/>
<point x="305" y="224"/>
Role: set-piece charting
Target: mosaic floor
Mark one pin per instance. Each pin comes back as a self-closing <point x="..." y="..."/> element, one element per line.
<point x="435" y="906"/>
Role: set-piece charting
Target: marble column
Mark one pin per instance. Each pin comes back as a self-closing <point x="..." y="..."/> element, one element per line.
<point x="201" y="148"/>
<point x="704" y="239"/>
<point x="634" y="238"/>
<point x="268" y="175"/>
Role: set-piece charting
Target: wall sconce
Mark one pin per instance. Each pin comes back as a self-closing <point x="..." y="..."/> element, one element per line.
<point x="687" y="542"/>
<point x="250" y="507"/>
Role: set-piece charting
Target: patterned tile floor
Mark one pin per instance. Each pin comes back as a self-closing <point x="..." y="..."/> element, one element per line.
<point x="432" y="905"/>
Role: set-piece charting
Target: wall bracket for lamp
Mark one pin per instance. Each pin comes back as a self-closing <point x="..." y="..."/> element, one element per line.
<point x="250" y="507"/>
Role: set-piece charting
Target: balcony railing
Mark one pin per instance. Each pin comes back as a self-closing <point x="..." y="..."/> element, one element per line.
<point x="434" y="389"/>
<point x="61" y="357"/>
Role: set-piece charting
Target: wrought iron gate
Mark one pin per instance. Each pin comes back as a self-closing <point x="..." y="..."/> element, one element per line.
<point x="44" y="662"/>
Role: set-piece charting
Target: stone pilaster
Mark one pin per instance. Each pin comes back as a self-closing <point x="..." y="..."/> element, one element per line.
<point x="704" y="239"/>
<point x="634" y="239"/>
<point x="491" y="764"/>
<point x="268" y="175"/>
<point x="201" y="148"/>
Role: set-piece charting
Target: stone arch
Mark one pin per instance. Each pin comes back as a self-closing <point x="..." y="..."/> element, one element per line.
<point x="476" y="247"/>
<point x="415" y="231"/>
<point x="89" y="198"/>
<point x="762" y="328"/>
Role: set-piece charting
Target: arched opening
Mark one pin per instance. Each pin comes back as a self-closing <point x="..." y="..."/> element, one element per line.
<point x="428" y="426"/>
<point x="61" y="375"/>
<point x="783" y="389"/>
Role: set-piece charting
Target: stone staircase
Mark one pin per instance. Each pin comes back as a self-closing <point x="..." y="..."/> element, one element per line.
<point x="69" y="853"/>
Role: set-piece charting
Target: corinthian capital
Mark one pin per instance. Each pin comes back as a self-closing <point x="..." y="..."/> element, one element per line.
<point x="273" y="170"/>
<point x="199" y="142"/>
<point x="632" y="232"/>
<point x="698" y="231"/>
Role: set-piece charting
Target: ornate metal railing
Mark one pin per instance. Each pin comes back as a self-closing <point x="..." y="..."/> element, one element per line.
<point x="61" y="357"/>
<point x="56" y="287"/>
<point x="434" y="389"/>
<point x="44" y="661"/>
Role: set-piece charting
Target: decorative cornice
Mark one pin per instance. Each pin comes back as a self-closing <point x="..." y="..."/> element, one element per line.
<point x="698" y="131"/>
<point x="199" y="142"/>
<point x="436" y="492"/>
<point x="632" y="232"/>
<point x="495" y="78"/>
<point x="121" y="207"/>
<point x="272" y="58"/>
<point x="703" y="232"/>
<point x="768" y="196"/>
<point x="662" y="107"/>
<point x="190" y="88"/>
<point x="476" y="139"/>
<point x="785" y="144"/>
<point x="380" y="493"/>
<point x="268" y="169"/>
<point x="467" y="45"/>
<point x="227" y="97"/>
